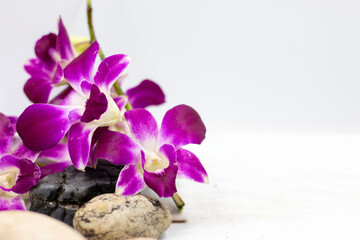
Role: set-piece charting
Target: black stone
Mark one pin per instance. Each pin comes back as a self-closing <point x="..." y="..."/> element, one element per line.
<point x="61" y="194"/>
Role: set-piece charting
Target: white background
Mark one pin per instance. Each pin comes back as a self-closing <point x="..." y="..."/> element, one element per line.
<point x="276" y="83"/>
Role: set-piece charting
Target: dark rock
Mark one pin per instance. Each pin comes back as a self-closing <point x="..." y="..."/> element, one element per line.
<point x="59" y="195"/>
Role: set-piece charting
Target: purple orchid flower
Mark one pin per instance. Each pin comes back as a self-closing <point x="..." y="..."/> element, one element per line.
<point x="53" y="53"/>
<point x="155" y="158"/>
<point x="147" y="93"/>
<point x="18" y="172"/>
<point x="84" y="109"/>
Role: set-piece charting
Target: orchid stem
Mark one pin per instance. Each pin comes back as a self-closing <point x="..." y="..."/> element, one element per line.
<point x="120" y="92"/>
<point x="101" y="53"/>
<point x="178" y="201"/>
<point x="91" y="28"/>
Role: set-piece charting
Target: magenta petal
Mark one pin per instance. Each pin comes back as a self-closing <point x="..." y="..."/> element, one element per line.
<point x="143" y="126"/>
<point x="79" y="143"/>
<point x="169" y="152"/>
<point x="190" y="166"/>
<point x="54" y="168"/>
<point x="162" y="181"/>
<point x="42" y="126"/>
<point x="16" y="203"/>
<point x="13" y="121"/>
<point x="63" y="44"/>
<point x="36" y="68"/>
<point x="43" y="48"/>
<point x="58" y="153"/>
<point x="96" y="105"/>
<point x="81" y="67"/>
<point x="21" y="151"/>
<point x="6" y="134"/>
<point x="28" y="176"/>
<point x="120" y="101"/>
<point x="117" y="148"/>
<point x="58" y="99"/>
<point x="110" y="69"/>
<point x="86" y="87"/>
<point x="58" y="74"/>
<point x="38" y="89"/>
<point x="130" y="181"/>
<point x="182" y="125"/>
<point x="145" y="94"/>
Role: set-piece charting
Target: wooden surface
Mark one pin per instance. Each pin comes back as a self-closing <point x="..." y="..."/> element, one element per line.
<point x="273" y="186"/>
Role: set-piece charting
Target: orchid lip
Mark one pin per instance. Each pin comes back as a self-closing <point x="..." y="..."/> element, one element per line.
<point x="8" y="177"/>
<point x="111" y="116"/>
<point x="155" y="162"/>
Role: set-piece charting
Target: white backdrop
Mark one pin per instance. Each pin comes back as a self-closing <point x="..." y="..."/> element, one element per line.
<point x="246" y="65"/>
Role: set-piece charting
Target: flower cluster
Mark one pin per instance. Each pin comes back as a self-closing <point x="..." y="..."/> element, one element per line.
<point x="88" y="121"/>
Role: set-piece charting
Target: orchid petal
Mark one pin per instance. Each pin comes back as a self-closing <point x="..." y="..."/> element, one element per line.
<point x="190" y="166"/>
<point x="13" y="121"/>
<point x="92" y="161"/>
<point x="86" y="87"/>
<point x="58" y="153"/>
<point x="79" y="143"/>
<point x="16" y="203"/>
<point x="120" y="102"/>
<point x="63" y="44"/>
<point x="109" y="70"/>
<point x="42" y="126"/>
<point x="36" y="68"/>
<point x="21" y="151"/>
<point x="81" y="67"/>
<point x="117" y="148"/>
<point x="43" y="49"/>
<point x="70" y="98"/>
<point x="143" y="126"/>
<point x="96" y="105"/>
<point x="169" y="152"/>
<point x="58" y="74"/>
<point x="163" y="181"/>
<point x="145" y="94"/>
<point x="28" y="176"/>
<point x="58" y="99"/>
<point x="130" y="181"/>
<point x="6" y="134"/>
<point x="182" y="125"/>
<point x="38" y="89"/>
<point x="54" y="168"/>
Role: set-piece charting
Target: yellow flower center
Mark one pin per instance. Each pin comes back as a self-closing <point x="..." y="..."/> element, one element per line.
<point x="155" y="162"/>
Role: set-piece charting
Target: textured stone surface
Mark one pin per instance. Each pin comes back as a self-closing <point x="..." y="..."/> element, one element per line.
<point x="18" y="225"/>
<point x="112" y="217"/>
<point x="59" y="195"/>
<point x="140" y="238"/>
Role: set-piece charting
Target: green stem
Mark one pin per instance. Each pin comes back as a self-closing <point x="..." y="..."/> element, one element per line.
<point x="178" y="201"/>
<point x="120" y="92"/>
<point x="91" y="28"/>
<point x="101" y="53"/>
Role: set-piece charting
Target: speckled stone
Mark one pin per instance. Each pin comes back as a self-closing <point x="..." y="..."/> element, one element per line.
<point x="61" y="194"/>
<point x="112" y="217"/>
<point x="140" y="238"/>
<point x="19" y="225"/>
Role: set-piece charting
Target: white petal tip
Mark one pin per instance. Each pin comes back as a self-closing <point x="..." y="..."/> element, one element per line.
<point x="128" y="59"/>
<point x="206" y="180"/>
